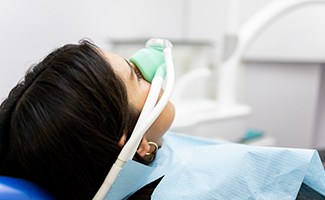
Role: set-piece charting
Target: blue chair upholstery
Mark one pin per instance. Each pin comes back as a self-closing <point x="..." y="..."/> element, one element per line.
<point x="19" y="189"/>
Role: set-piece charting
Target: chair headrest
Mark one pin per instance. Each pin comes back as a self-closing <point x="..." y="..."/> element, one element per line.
<point x="16" y="188"/>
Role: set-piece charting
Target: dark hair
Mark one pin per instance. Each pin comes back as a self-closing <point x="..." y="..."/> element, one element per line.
<point x="60" y="126"/>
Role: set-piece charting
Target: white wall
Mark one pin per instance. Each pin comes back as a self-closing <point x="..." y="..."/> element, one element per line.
<point x="283" y="78"/>
<point x="31" y="29"/>
<point x="296" y="36"/>
<point x="319" y="130"/>
<point x="284" y="98"/>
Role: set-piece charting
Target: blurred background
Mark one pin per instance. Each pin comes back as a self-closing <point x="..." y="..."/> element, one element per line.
<point x="280" y="78"/>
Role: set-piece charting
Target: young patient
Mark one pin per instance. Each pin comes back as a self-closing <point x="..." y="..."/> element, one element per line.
<point x="64" y="125"/>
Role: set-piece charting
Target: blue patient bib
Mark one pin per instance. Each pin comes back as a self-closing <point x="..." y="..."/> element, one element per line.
<point x="195" y="168"/>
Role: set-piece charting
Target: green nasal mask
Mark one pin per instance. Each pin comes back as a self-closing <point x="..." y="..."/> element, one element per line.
<point x="150" y="62"/>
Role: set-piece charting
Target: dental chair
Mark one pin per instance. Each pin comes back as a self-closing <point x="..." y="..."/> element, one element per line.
<point x="19" y="189"/>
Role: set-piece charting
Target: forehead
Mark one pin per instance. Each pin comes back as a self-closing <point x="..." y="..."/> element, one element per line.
<point x="118" y="63"/>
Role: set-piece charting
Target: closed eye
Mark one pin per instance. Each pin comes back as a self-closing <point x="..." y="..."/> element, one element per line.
<point x="138" y="73"/>
<point x="134" y="70"/>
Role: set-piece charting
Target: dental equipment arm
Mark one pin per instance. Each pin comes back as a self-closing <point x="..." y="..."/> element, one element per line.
<point x="149" y="114"/>
<point x="246" y="35"/>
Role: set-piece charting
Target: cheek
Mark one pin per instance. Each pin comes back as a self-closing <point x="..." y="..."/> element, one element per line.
<point x="141" y="94"/>
<point x="145" y="87"/>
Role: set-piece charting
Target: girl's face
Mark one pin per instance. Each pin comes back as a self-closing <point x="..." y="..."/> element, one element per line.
<point x="137" y="90"/>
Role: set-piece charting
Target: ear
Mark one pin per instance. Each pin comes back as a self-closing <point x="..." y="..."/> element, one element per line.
<point x="121" y="142"/>
<point x="144" y="147"/>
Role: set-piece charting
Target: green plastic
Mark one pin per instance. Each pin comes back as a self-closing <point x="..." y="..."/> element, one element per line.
<point x="150" y="62"/>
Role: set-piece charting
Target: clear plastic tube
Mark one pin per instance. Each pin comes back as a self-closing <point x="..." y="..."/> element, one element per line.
<point x="151" y="111"/>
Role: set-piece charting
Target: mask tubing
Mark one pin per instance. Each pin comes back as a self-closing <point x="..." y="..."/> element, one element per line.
<point x="151" y="100"/>
<point x="130" y="148"/>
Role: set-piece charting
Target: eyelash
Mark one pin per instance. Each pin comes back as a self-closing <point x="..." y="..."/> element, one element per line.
<point x="138" y="74"/>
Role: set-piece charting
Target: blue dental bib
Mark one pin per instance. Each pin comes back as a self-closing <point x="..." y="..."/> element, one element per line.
<point x="195" y="168"/>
